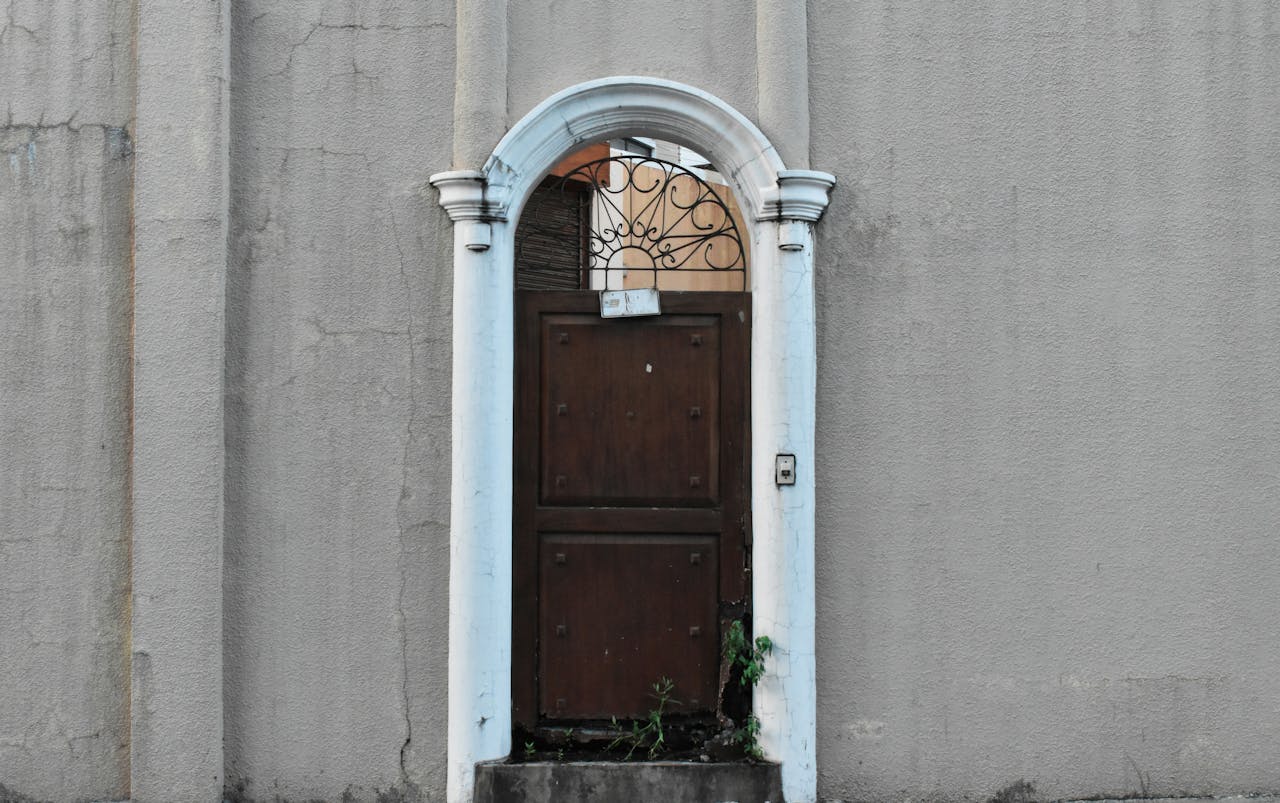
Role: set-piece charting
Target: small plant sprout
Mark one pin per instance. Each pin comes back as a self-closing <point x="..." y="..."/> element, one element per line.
<point x="749" y="737"/>
<point x="750" y="657"/>
<point x="650" y="733"/>
<point x="745" y="654"/>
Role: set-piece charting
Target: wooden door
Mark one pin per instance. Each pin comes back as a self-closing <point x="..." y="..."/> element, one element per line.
<point x="631" y="535"/>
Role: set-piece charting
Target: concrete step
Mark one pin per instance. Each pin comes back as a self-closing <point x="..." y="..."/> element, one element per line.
<point x="631" y="781"/>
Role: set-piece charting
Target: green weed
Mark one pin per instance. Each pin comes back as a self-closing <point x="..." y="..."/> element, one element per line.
<point x="650" y="734"/>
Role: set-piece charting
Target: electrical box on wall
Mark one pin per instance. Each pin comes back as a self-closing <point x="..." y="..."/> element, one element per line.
<point x="784" y="469"/>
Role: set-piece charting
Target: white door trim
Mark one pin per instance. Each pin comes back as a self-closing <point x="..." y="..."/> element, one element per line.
<point x="782" y="206"/>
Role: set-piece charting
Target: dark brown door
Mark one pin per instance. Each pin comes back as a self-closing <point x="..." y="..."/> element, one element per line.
<point x="631" y="540"/>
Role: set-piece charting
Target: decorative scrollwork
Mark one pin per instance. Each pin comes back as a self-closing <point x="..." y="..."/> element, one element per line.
<point x="629" y="214"/>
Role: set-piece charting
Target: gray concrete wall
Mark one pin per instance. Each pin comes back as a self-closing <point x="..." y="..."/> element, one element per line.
<point x="1049" y="313"/>
<point x="65" y="182"/>
<point x="558" y="43"/>
<point x="336" y="562"/>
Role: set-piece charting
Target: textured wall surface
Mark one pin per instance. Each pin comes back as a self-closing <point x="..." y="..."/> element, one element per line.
<point x="1049" y="313"/>
<point x="1048" y="319"/>
<point x="336" y="563"/>
<point x="558" y="43"/>
<point x="65" y="181"/>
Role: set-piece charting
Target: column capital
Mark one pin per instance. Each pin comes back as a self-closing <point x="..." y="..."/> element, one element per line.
<point x="462" y="194"/>
<point x="803" y="194"/>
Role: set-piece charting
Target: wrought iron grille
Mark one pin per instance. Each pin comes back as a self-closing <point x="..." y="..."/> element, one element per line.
<point x="629" y="221"/>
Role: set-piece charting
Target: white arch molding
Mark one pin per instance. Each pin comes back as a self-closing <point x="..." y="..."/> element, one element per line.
<point x="781" y="206"/>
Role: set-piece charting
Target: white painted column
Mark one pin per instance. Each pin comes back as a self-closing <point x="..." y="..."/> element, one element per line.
<point x="180" y="259"/>
<point x="480" y="526"/>
<point x="483" y="364"/>
<point x="783" y="410"/>
<point x="784" y="397"/>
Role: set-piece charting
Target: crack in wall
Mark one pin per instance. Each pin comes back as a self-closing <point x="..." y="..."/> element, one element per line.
<point x="10" y="22"/>
<point x="404" y="492"/>
<point x="368" y="330"/>
<point x="69" y="124"/>
<point x="356" y="27"/>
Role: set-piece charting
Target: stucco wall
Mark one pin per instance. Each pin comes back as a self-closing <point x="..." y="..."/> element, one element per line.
<point x="1048" y="321"/>
<point x="557" y="43"/>
<point x="66" y="88"/>
<point x="1047" y="424"/>
<point x="336" y="562"/>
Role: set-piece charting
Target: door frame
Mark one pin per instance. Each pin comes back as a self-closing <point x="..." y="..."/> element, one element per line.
<point x="781" y="207"/>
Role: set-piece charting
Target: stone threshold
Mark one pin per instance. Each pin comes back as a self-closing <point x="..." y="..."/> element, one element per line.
<point x="631" y="781"/>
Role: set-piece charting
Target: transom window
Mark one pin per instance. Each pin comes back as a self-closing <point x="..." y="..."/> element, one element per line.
<point x="633" y="213"/>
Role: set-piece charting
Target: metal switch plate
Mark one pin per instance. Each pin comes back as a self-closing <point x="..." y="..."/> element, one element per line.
<point x="784" y="469"/>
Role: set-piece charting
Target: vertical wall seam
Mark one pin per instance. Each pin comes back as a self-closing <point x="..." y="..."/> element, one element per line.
<point x="132" y="128"/>
<point x="224" y="210"/>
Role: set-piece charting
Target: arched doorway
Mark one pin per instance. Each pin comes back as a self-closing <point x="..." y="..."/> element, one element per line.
<point x="780" y="207"/>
